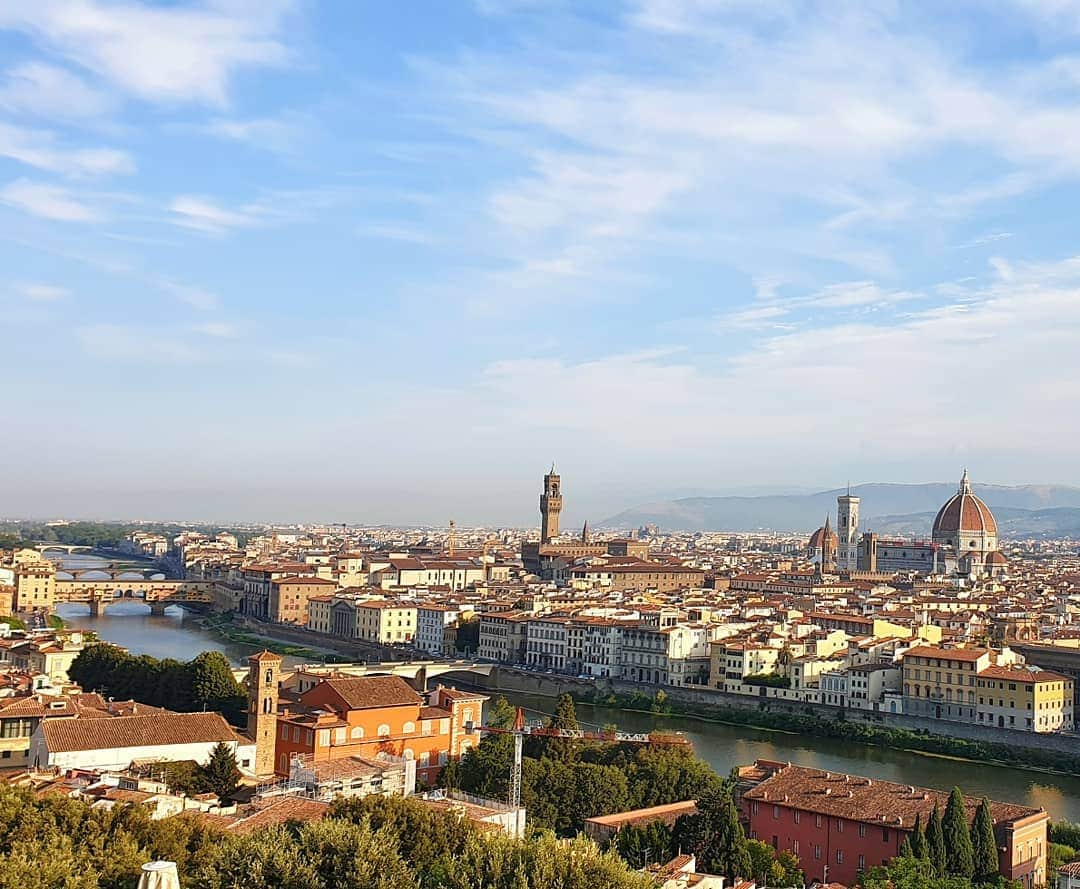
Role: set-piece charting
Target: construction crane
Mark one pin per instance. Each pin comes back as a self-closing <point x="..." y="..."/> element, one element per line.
<point x="521" y="728"/>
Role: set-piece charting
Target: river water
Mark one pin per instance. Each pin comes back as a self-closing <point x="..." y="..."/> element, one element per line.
<point x="178" y="635"/>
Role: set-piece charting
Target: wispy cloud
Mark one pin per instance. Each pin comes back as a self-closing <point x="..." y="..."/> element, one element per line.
<point x="217" y="330"/>
<point x="36" y="148"/>
<point x="46" y="90"/>
<point x="42" y="292"/>
<point x="179" y="52"/>
<point x="47" y="201"/>
<point x="129" y="344"/>
<point x="202" y="214"/>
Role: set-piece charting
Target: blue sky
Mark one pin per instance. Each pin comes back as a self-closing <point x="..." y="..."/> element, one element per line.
<point x="361" y="261"/>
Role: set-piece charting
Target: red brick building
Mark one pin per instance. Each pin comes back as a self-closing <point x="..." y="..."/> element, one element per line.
<point x="838" y="825"/>
<point x="365" y="716"/>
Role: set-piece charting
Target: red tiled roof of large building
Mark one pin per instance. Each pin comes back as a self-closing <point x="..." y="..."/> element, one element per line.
<point x="867" y="800"/>
<point x="951" y="654"/>
<point x="1020" y="673"/>
<point x="158" y="729"/>
<point x="364" y="692"/>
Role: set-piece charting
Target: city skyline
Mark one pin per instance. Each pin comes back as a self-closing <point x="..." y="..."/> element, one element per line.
<point x="309" y="260"/>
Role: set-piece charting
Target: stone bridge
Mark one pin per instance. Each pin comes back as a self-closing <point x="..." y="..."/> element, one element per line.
<point x="158" y="594"/>
<point x="417" y="672"/>
<point x="68" y="548"/>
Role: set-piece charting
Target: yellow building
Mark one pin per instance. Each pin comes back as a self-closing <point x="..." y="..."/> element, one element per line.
<point x="385" y="621"/>
<point x="1026" y="699"/>
<point x="34" y="583"/>
<point x="942" y="682"/>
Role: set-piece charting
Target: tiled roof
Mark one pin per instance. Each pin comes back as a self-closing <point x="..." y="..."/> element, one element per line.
<point x="288" y="809"/>
<point x="362" y="692"/>
<point x="157" y="730"/>
<point x="861" y="799"/>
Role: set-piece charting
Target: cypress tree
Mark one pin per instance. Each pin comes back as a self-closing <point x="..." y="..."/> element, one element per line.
<point x="905" y="849"/>
<point x="984" y="844"/>
<point x="959" y="856"/>
<point x="918" y="839"/>
<point x="935" y="843"/>
<point x="220" y="775"/>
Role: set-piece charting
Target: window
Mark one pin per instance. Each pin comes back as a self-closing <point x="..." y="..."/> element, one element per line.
<point x="862" y="862"/>
<point x="839" y="856"/>
<point x="357" y="732"/>
<point x="796" y="816"/>
<point x="817" y="821"/>
<point x="775" y="812"/>
<point x="839" y="826"/>
<point x="384" y="731"/>
<point x="862" y="830"/>
<point x="817" y="853"/>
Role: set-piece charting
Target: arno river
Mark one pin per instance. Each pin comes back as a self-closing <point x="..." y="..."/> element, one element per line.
<point x="722" y="746"/>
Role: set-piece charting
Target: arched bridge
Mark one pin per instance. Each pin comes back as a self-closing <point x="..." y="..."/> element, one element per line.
<point x="418" y="672"/>
<point x="68" y="548"/>
<point x="158" y="594"/>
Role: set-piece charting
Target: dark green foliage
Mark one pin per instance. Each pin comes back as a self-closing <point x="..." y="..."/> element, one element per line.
<point x="919" y="848"/>
<point x="204" y="683"/>
<point x="642" y="844"/>
<point x="905" y="849"/>
<point x="715" y="836"/>
<point x="467" y="640"/>
<point x="583" y="780"/>
<point x="375" y="843"/>
<point x="959" y="855"/>
<point x="220" y="775"/>
<point x="984" y="844"/>
<point x="935" y="843"/>
<point x="1066" y="833"/>
<point x="916" y="873"/>
<point x="770" y="680"/>
<point x="559" y="748"/>
<point x="772" y="868"/>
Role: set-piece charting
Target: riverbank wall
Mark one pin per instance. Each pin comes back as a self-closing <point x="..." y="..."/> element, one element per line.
<point x="699" y="701"/>
<point x="350" y="649"/>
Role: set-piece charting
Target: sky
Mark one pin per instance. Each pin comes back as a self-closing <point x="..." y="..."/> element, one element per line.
<point x="297" y="260"/>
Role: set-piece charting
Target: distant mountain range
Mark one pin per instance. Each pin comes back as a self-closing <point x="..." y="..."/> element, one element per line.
<point x="1022" y="510"/>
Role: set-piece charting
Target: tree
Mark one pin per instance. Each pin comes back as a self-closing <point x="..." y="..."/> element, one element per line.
<point x="715" y="836"/>
<point x="984" y="844"/>
<point x="935" y="843"/>
<point x="772" y="868"/>
<point x="959" y="856"/>
<point x="643" y="844"/>
<point x="213" y="686"/>
<point x="918" y="840"/>
<point x="565" y="718"/>
<point x="220" y="775"/>
<point x="905" y="849"/>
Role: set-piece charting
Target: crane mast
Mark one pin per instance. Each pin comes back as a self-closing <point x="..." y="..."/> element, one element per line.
<point x="521" y="728"/>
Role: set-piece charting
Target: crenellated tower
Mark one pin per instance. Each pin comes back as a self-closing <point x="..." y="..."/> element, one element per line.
<point x="550" y="506"/>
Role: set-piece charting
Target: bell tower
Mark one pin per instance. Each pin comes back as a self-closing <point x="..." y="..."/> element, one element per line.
<point x="550" y="506"/>
<point x="264" y="669"/>
<point x="847" y="520"/>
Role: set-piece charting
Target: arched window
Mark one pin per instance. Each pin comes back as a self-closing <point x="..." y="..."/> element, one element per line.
<point x="409" y="728"/>
<point x="357" y="732"/>
<point x="269" y="677"/>
<point x="425" y="758"/>
<point x="409" y="753"/>
<point x="466" y="714"/>
<point x="268" y="705"/>
<point x="384" y="731"/>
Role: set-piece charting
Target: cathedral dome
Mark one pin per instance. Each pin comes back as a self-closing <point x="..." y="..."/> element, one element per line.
<point x="818" y="538"/>
<point x="964" y="516"/>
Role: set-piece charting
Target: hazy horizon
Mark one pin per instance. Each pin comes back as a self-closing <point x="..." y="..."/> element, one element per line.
<point x="515" y="515"/>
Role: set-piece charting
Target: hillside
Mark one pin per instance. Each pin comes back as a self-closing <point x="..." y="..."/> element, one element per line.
<point x="1018" y="508"/>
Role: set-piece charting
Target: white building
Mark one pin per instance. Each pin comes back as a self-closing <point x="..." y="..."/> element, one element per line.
<point x="115" y="742"/>
<point x="431" y="624"/>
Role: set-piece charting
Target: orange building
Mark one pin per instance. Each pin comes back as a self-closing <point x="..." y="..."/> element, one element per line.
<point x="364" y="716"/>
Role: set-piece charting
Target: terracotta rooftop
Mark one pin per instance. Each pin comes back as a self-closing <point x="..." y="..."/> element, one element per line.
<point x="856" y="798"/>
<point x="362" y="692"/>
<point x="161" y="728"/>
